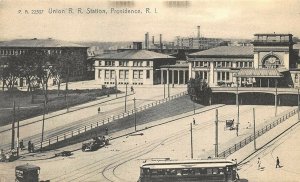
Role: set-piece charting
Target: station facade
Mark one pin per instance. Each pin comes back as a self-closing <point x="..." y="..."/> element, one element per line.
<point x="272" y="60"/>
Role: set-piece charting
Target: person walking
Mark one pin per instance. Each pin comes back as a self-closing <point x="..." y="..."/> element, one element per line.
<point x="32" y="147"/>
<point x="99" y="110"/>
<point x="106" y="131"/>
<point x="29" y="146"/>
<point x="258" y="164"/>
<point x="21" y="145"/>
<point x="277" y="162"/>
<point x="194" y="122"/>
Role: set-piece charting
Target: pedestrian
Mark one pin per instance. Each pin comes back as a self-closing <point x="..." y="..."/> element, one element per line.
<point x="99" y="110"/>
<point x="194" y="122"/>
<point x="21" y="145"/>
<point x="258" y="164"/>
<point x="277" y="162"/>
<point x="32" y="147"/>
<point x="29" y="146"/>
<point x="132" y="90"/>
<point x="106" y="131"/>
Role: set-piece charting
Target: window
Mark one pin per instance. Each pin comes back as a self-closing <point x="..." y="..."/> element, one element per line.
<point x="109" y="63"/>
<point x="296" y="78"/>
<point x="112" y="74"/>
<point x="106" y="73"/>
<point x="137" y="74"/>
<point x="137" y="63"/>
<point x="99" y="73"/>
<point x="121" y="74"/>
<point x="148" y="63"/>
<point x="148" y="74"/>
<point x="126" y="74"/>
<point x="123" y="63"/>
<point x="227" y="76"/>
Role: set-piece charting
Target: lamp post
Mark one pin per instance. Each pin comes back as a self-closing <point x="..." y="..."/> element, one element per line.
<point x="254" y="136"/>
<point x="275" y="97"/>
<point x="134" y="113"/>
<point x="237" y="102"/>
<point x="43" y="125"/>
<point x="216" y="137"/>
<point x="126" y="97"/>
<point x="13" y="126"/>
<point x="192" y="155"/>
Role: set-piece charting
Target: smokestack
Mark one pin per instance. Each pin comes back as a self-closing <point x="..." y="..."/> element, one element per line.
<point x="160" y="41"/>
<point x="147" y="40"/>
<point x="198" y="27"/>
<point x="153" y="40"/>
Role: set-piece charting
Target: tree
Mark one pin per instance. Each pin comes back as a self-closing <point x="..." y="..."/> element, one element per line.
<point x="10" y="71"/>
<point x="199" y="90"/>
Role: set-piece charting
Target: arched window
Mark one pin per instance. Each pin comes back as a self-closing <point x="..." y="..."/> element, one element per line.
<point x="271" y="62"/>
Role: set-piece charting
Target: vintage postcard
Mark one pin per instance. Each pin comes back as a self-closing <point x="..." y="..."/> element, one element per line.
<point x="149" y="90"/>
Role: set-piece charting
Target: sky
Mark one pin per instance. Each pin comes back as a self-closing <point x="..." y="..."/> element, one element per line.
<point x="217" y="18"/>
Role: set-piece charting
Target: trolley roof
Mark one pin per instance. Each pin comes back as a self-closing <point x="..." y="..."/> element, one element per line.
<point x="188" y="164"/>
<point x="27" y="167"/>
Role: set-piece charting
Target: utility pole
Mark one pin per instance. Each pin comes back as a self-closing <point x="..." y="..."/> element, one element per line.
<point x="125" y="97"/>
<point x="216" y="137"/>
<point x="237" y="102"/>
<point x="298" y="107"/>
<point x="164" y="90"/>
<point x="254" y="140"/>
<point x="134" y="113"/>
<point x="168" y="82"/>
<point x="116" y="88"/>
<point x="18" y="132"/>
<point x="43" y="125"/>
<point x="192" y="156"/>
<point x="67" y="88"/>
<point x="13" y="126"/>
<point x="275" y="97"/>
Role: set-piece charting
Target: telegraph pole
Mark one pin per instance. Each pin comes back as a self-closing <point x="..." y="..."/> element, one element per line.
<point x="43" y="125"/>
<point x="216" y="137"/>
<point x="164" y="90"/>
<point x="254" y="140"/>
<point x="298" y="106"/>
<point x="134" y="113"/>
<point x="192" y="156"/>
<point x="275" y="97"/>
<point x="237" y="102"/>
<point x="18" y="132"/>
<point x="13" y="126"/>
<point x="67" y="88"/>
<point x="125" y="96"/>
<point x="116" y="88"/>
<point x="168" y="82"/>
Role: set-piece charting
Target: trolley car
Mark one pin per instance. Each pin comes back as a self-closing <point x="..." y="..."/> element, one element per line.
<point x="217" y="170"/>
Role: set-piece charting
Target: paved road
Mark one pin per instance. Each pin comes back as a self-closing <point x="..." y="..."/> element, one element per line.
<point x="287" y="149"/>
<point x="120" y="161"/>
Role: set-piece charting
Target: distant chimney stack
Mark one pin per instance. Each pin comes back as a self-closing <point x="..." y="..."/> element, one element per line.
<point x="137" y="45"/>
<point x="160" y="41"/>
<point x="198" y="27"/>
<point x="147" y="40"/>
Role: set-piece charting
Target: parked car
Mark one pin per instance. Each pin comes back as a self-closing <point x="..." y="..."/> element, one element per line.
<point x="95" y="143"/>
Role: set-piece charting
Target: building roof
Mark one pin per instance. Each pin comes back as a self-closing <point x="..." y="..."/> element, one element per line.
<point x="135" y="54"/>
<point x="38" y="43"/>
<point x="226" y="51"/>
<point x="260" y="72"/>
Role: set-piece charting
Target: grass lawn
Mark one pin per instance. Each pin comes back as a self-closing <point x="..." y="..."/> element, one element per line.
<point x="56" y="102"/>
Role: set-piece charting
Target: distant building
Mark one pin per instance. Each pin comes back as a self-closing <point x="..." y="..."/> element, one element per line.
<point x="271" y="60"/>
<point x="50" y="46"/>
<point x="135" y="66"/>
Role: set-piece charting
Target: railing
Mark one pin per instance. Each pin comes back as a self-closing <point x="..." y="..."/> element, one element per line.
<point x="255" y="89"/>
<point x="258" y="133"/>
<point x="90" y="126"/>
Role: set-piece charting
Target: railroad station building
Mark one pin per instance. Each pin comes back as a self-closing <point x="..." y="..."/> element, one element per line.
<point x="135" y="66"/>
<point x="16" y="47"/>
<point x="271" y="60"/>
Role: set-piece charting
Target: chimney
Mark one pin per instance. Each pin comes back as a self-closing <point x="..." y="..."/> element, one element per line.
<point x="198" y="27"/>
<point x="137" y="45"/>
<point x="160" y="41"/>
<point x="147" y="40"/>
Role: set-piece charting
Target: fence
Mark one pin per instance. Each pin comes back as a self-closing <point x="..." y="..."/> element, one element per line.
<point x="93" y="125"/>
<point x="284" y="116"/>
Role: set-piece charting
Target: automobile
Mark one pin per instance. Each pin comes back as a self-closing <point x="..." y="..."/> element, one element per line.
<point x="95" y="143"/>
